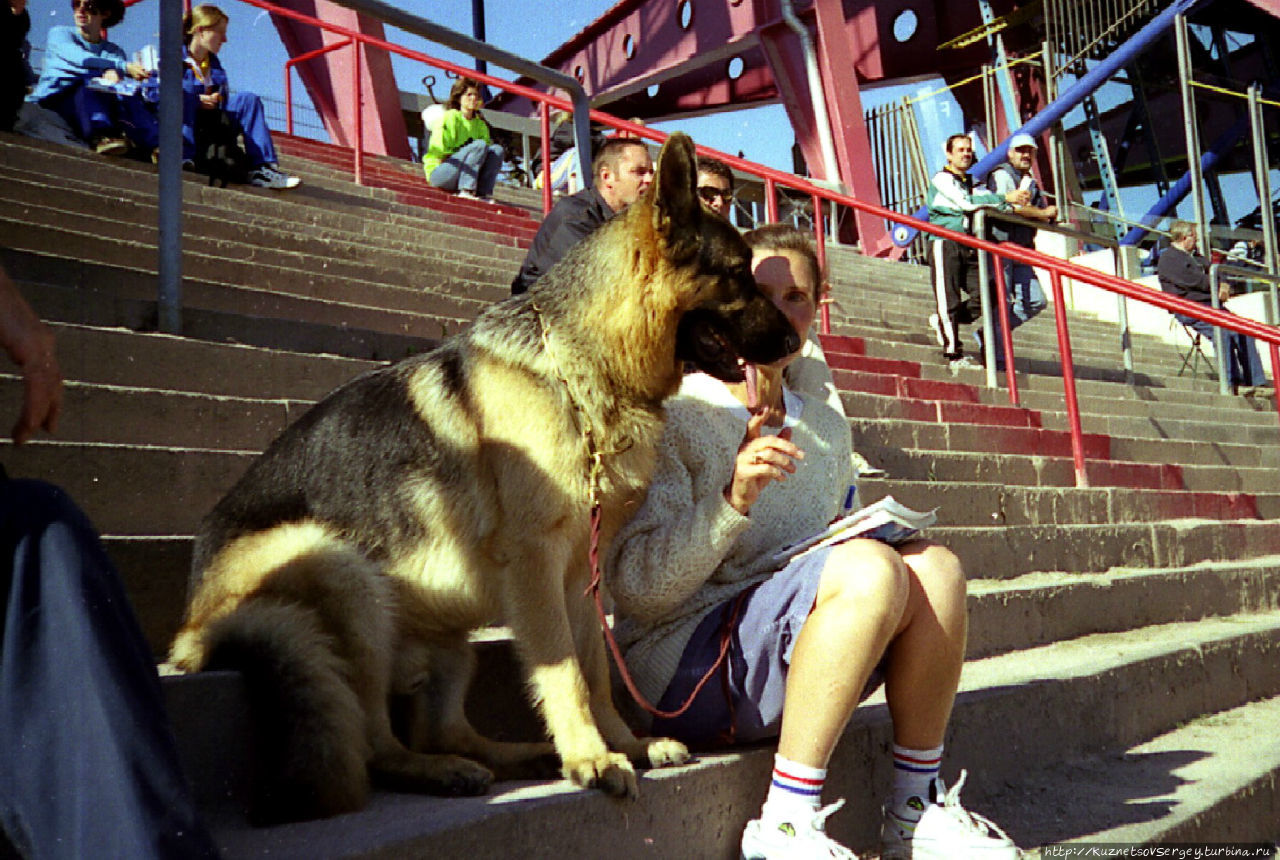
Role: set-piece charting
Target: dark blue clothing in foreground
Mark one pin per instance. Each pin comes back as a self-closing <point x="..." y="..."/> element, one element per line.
<point x="88" y="766"/>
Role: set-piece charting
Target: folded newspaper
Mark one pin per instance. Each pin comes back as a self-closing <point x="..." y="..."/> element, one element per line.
<point x="887" y="521"/>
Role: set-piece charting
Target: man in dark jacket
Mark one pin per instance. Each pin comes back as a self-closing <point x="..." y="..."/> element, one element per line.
<point x="1182" y="273"/>
<point x="623" y="171"/>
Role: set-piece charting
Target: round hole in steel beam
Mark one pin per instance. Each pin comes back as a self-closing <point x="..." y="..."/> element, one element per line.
<point x="652" y="91"/>
<point x="628" y="46"/>
<point x="684" y="14"/>
<point x="905" y="25"/>
<point x="736" y="68"/>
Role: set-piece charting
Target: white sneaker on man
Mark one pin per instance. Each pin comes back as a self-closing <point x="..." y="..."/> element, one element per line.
<point x="801" y="840"/>
<point x="945" y="831"/>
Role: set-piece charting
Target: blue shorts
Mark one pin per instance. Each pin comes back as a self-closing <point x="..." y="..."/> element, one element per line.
<point x="769" y="621"/>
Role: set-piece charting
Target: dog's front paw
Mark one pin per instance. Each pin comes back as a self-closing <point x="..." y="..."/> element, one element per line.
<point x="663" y="752"/>
<point x="611" y="772"/>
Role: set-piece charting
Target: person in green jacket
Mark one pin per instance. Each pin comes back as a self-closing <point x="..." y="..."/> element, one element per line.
<point x="460" y="156"/>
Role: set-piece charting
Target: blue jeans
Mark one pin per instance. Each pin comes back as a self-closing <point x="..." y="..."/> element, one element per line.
<point x="1026" y="300"/>
<point x="472" y="167"/>
<point x="89" y="763"/>
<point x="246" y="108"/>
<point x="91" y="113"/>
<point x="1243" y="362"/>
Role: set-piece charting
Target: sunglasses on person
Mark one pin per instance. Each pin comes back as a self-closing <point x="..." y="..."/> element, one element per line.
<point x="86" y="6"/>
<point x="710" y="194"/>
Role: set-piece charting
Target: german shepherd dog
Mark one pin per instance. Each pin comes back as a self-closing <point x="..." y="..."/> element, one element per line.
<point x="453" y="490"/>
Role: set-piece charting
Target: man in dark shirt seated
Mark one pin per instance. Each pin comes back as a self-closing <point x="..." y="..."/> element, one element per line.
<point x="623" y="170"/>
<point x="1182" y="272"/>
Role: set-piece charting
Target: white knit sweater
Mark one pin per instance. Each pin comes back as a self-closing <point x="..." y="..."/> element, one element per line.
<point x="687" y="550"/>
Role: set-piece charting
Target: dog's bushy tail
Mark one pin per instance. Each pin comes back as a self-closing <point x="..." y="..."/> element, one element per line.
<point x="301" y="615"/>
<point x="310" y="750"/>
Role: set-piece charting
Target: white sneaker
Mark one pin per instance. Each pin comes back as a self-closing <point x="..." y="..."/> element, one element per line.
<point x="804" y="840"/>
<point x="270" y="176"/>
<point x="964" y="362"/>
<point x="945" y="831"/>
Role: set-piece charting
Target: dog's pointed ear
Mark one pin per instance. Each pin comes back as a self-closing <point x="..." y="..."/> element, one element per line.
<point x="676" y="209"/>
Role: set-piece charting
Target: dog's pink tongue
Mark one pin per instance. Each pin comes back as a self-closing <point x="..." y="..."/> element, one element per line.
<point x="753" y="390"/>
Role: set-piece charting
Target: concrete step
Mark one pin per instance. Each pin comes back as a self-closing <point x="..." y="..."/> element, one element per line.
<point x="116" y="296"/>
<point x="110" y="415"/>
<point x="1040" y="608"/>
<point x="121" y="357"/>
<point x="1047" y="705"/>
<point x="1005" y="552"/>
<point x="132" y="489"/>
<point x="902" y="434"/>
<point x="1211" y="781"/>
<point x="1008" y="504"/>
<point x="1035" y="470"/>
<point x="274" y="248"/>
<point x="511" y="227"/>
<point x="871" y="396"/>
<point x="294" y="227"/>
<point x="287" y="278"/>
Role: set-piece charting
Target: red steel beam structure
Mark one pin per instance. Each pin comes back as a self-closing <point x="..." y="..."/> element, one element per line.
<point x="328" y="78"/>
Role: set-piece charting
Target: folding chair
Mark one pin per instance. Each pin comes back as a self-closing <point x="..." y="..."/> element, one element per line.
<point x="1195" y="351"/>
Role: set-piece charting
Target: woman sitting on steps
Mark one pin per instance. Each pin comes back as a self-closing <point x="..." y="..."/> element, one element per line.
<point x="78" y="61"/>
<point x="205" y="89"/>
<point x="737" y="479"/>
<point x="460" y="156"/>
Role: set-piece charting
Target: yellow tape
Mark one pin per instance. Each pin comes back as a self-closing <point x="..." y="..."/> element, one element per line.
<point x="1227" y="92"/>
<point x="970" y="80"/>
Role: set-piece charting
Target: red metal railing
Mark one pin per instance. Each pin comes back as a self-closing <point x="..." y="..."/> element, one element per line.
<point x="772" y="178"/>
<point x="288" y="76"/>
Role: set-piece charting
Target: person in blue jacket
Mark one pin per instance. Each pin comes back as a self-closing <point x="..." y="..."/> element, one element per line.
<point x="79" y="61"/>
<point x="205" y="88"/>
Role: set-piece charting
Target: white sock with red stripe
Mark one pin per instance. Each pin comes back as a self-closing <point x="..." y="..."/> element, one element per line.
<point x="913" y="772"/>
<point x="795" y="793"/>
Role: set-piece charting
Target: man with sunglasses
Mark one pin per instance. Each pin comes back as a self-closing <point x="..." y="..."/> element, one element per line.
<point x="77" y="54"/>
<point x="623" y="171"/>
<point x="715" y="185"/>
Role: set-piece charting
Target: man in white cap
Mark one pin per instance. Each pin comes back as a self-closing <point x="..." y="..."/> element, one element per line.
<point x="1026" y="298"/>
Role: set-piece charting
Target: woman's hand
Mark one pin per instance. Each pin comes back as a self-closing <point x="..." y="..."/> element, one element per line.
<point x="210" y="101"/>
<point x="111" y="76"/>
<point x="761" y="460"/>
<point x="136" y="71"/>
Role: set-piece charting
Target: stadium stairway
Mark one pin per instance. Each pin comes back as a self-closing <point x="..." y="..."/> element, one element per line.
<point x="1123" y="682"/>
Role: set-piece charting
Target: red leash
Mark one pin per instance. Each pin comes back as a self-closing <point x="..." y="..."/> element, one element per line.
<point x="593" y="590"/>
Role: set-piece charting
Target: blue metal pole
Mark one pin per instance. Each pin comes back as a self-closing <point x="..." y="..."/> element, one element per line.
<point x="169" y="265"/>
<point x="1058" y="108"/>
<point x="1182" y="187"/>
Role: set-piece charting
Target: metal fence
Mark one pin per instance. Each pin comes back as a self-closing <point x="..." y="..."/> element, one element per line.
<point x="1080" y="29"/>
